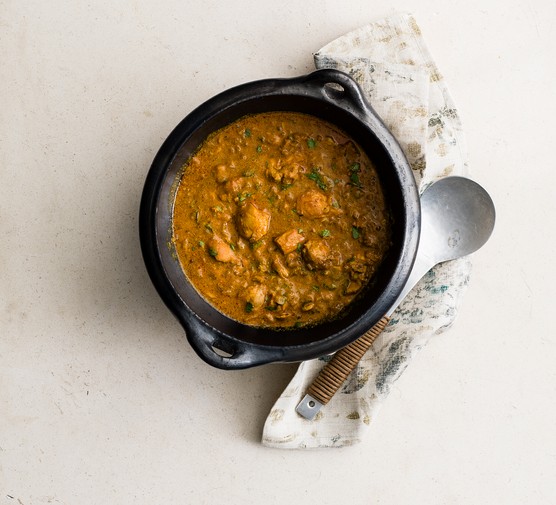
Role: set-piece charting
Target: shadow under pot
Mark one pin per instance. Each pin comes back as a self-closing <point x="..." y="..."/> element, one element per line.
<point x="219" y="340"/>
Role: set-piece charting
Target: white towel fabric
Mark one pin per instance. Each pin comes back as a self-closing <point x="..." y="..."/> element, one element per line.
<point x="390" y="61"/>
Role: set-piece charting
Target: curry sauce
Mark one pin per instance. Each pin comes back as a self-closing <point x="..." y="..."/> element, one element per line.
<point x="280" y="220"/>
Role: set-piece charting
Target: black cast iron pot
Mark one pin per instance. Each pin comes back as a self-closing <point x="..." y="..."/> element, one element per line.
<point x="219" y="340"/>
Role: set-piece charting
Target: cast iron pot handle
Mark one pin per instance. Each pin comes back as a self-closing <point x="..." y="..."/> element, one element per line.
<point x="329" y="80"/>
<point x="223" y="352"/>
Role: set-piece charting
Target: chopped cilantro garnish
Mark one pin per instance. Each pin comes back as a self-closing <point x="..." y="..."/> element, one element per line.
<point x="213" y="252"/>
<point x="247" y="133"/>
<point x="208" y="227"/>
<point x="311" y="143"/>
<point x="259" y="149"/>
<point x="244" y="196"/>
<point x="355" y="232"/>
<point x="325" y="233"/>
<point x="249" y="307"/>
<point x="201" y="243"/>
<point x="354" y="179"/>
<point x="355" y="169"/>
<point x="315" y="176"/>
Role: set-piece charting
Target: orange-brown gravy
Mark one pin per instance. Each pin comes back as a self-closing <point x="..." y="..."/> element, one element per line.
<point x="280" y="220"/>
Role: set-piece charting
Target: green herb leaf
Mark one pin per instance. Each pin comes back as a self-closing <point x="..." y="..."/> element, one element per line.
<point x="259" y="149"/>
<point x="311" y="143"/>
<point x="213" y="252"/>
<point x="201" y="243"/>
<point x="315" y="176"/>
<point x="232" y="247"/>
<point x="256" y="245"/>
<point x="249" y="307"/>
<point x="355" y="167"/>
<point x="244" y="196"/>
<point x="247" y="133"/>
<point x="209" y="228"/>
<point x="325" y="233"/>
<point x="271" y="308"/>
<point x="354" y="179"/>
<point x="355" y="232"/>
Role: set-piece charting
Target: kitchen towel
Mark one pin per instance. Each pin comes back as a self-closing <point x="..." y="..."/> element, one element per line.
<point x="391" y="63"/>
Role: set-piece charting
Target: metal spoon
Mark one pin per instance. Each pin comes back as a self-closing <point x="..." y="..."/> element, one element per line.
<point x="457" y="218"/>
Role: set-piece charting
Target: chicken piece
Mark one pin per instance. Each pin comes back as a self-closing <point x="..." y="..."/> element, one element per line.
<point x="290" y="173"/>
<point x="280" y="268"/>
<point x="284" y="173"/>
<point x="221" y="251"/>
<point x="315" y="253"/>
<point x="289" y="241"/>
<point x="235" y="185"/>
<point x="255" y="295"/>
<point x="312" y="204"/>
<point x="221" y="173"/>
<point x="253" y="221"/>
<point x="273" y="171"/>
<point x="293" y="262"/>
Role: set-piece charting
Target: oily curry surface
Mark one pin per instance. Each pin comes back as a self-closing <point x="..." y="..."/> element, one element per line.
<point x="279" y="220"/>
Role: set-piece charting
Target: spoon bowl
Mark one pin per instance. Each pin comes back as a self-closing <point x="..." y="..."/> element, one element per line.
<point x="457" y="219"/>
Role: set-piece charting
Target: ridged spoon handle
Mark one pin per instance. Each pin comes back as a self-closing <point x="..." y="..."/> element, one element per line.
<point x="336" y="371"/>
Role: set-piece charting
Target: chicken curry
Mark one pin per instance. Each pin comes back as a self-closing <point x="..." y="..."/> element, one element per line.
<point x="280" y="220"/>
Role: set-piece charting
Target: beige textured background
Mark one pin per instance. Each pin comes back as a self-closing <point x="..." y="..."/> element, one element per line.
<point x="102" y="400"/>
